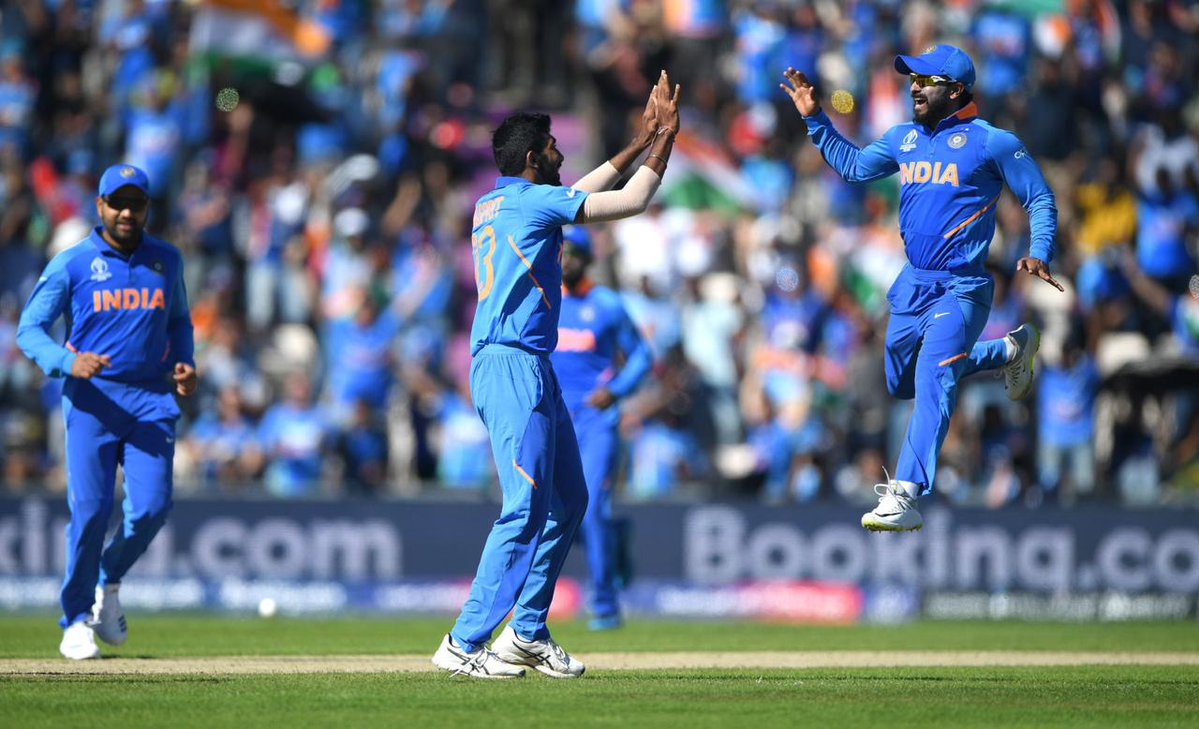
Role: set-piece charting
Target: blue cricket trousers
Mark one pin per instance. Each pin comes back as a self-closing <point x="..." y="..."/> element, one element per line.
<point x="936" y="317"/>
<point x="109" y="424"/>
<point x="544" y="494"/>
<point x="599" y="447"/>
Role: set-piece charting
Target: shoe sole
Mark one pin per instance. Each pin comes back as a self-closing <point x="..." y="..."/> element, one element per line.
<point x="536" y="666"/>
<point x="119" y="640"/>
<point x="90" y="657"/>
<point x="874" y="526"/>
<point x="1035" y="345"/>
<point x="455" y="672"/>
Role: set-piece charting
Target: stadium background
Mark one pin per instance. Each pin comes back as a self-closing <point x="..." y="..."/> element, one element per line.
<point x="333" y="456"/>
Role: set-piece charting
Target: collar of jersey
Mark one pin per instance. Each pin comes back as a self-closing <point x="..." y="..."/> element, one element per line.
<point x="967" y="113"/>
<point x="98" y="240"/>
<point x="505" y="181"/>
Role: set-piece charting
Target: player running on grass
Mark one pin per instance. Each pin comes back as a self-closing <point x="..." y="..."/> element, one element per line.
<point x="517" y="242"/>
<point x="594" y="331"/>
<point x="128" y="350"/>
<point x="952" y="168"/>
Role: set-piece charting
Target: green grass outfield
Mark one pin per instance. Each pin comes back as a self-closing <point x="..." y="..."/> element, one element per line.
<point x="154" y="681"/>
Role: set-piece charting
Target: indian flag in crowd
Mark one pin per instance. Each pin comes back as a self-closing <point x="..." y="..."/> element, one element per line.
<point x="262" y="30"/>
<point x="702" y="175"/>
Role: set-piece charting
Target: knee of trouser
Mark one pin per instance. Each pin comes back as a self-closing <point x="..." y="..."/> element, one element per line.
<point x="900" y="389"/>
<point x="90" y="511"/>
<point x="154" y="514"/>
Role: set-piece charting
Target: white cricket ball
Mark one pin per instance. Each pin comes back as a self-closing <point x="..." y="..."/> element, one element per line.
<point x="267" y="607"/>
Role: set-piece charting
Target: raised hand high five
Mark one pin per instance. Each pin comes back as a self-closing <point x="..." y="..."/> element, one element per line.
<point x="666" y="103"/>
<point x="801" y="91"/>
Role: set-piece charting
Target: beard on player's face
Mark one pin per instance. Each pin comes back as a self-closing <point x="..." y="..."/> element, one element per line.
<point x="931" y="104"/>
<point x="123" y="226"/>
<point x="548" y="166"/>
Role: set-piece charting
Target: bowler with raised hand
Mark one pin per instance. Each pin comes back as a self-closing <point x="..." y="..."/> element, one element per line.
<point x="952" y="168"/>
<point x="128" y="352"/>
<point x="517" y="245"/>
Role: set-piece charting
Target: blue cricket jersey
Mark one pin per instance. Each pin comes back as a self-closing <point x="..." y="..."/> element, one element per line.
<point x="950" y="180"/>
<point x="132" y="308"/>
<point x="593" y="328"/>
<point x="517" y="244"/>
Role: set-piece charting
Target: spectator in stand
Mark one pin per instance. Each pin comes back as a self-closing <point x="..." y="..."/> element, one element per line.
<point x="1066" y="396"/>
<point x="294" y="438"/>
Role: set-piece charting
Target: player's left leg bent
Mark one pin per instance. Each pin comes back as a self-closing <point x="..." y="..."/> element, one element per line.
<point x="948" y="342"/>
<point x="149" y="452"/>
<point x="568" y="504"/>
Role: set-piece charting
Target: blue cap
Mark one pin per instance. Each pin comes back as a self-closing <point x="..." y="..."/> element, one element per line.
<point x="942" y="60"/>
<point x="118" y="176"/>
<point x="578" y="237"/>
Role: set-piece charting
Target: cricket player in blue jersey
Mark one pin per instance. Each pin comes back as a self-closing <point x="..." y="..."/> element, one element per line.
<point x="593" y="331"/>
<point x="952" y="168"/>
<point x="128" y="350"/>
<point x="517" y="244"/>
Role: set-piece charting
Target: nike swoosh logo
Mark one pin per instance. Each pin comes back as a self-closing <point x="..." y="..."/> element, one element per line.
<point x="571" y="192"/>
<point x="943" y="313"/>
<point x="170" y="440"/>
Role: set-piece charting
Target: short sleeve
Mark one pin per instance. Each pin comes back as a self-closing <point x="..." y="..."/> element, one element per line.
<point x="550" y="206"/>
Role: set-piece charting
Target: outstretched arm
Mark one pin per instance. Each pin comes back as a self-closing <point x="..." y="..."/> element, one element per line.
<point x="1024" y="178"/>
<point x="853" y="164"/>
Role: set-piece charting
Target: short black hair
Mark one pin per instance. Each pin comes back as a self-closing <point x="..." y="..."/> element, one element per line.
<point x="518" y="135"/>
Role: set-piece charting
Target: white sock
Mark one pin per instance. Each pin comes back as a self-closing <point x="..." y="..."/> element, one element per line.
<point x="1010" y="344"/>
<point x="911" y="489"/>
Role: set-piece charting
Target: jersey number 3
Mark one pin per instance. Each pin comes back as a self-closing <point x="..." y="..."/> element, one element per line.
<point x="484" y="269"/>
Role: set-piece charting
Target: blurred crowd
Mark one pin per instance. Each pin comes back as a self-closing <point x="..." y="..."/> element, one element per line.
<point x="317" y="161"/>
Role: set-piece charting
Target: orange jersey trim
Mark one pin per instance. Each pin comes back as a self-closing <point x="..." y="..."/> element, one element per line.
<point x="536" y="283"/>
<point x="521" y="471"/>
<point x="970" y="219"/>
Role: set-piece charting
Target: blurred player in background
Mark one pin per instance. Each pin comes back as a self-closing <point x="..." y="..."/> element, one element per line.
<point x="517" y="242"/>
<point x="128" y="350"/>
<point x="952" y="168"/>
<point x="593" y="332"/>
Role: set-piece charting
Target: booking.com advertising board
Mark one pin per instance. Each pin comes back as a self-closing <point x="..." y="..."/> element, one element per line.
<point x="797" y="564"/>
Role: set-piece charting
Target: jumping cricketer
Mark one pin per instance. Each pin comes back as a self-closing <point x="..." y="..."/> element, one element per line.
<point x="952" y="167"/>
<point x="128" y="352"/>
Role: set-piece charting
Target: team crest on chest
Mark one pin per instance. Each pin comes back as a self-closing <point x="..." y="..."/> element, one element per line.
<point x="100" y="270"/>
<point x="909" y="142"/>
<point x="587" y="314"/>
<point x="957" y="141"/>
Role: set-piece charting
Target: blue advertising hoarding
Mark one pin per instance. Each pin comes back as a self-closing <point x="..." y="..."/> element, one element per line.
<point x="689" y="559"/>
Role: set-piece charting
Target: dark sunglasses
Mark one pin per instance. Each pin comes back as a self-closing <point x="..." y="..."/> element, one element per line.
<point x="132" y="204"/>
<point x="922" y="80"/>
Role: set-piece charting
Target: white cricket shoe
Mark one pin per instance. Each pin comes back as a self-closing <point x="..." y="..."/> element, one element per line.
<point x="480" y="664"/>
<point x="1018" y="374"/>
<point x="896" y="511"/>
<point x="545" y="656"/>
<point x="108" y="619"/>
<point x="79" y="642"/>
